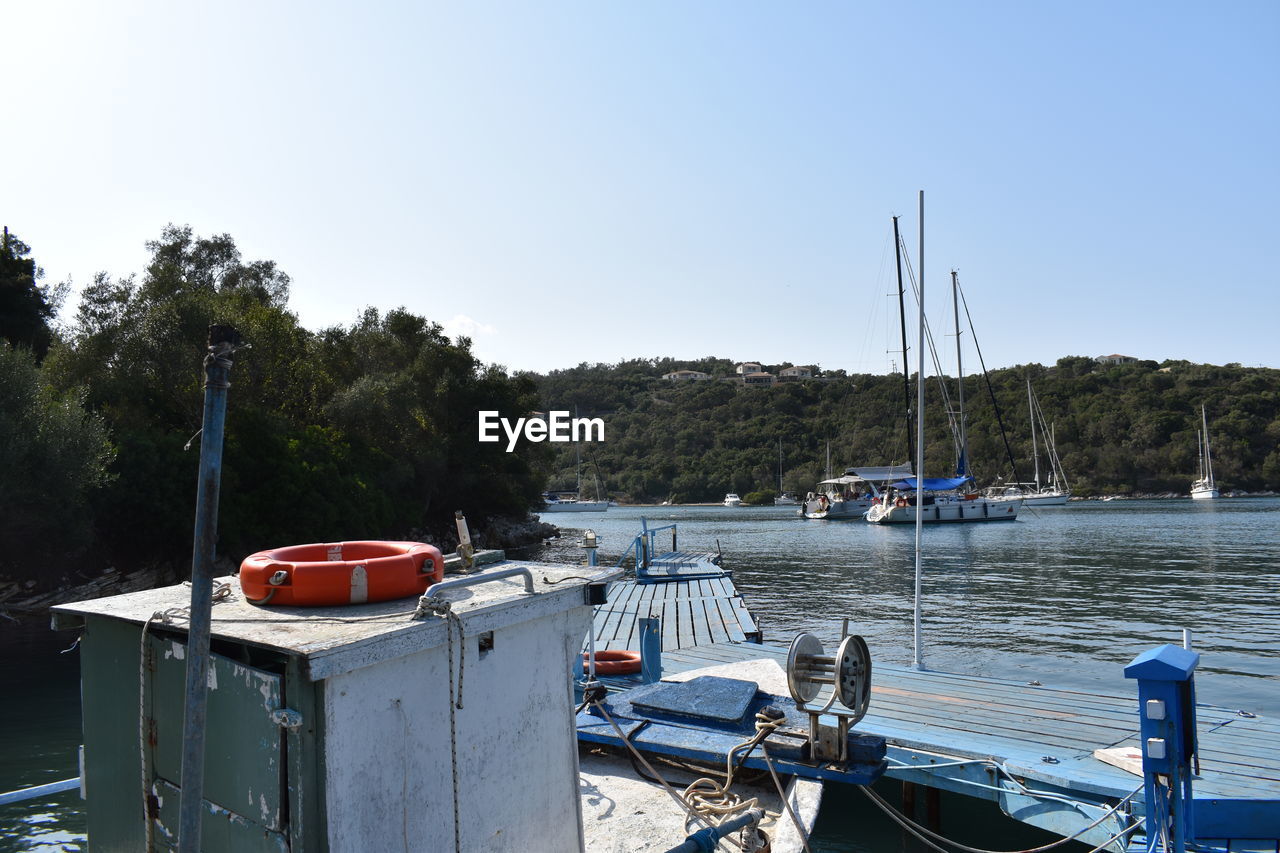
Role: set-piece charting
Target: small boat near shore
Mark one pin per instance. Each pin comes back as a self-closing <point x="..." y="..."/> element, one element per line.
<point x="1055" y="492"/>
<point x="732" y="499"/>
<point x="569" y="502"/>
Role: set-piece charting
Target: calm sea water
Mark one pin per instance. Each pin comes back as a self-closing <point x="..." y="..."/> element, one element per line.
<point x="1065" y="596"/>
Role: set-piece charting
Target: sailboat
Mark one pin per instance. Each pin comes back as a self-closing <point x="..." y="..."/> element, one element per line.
<point x="1055" y="492"/>
<point x="783" y="498"/>
<point x="1204" y="489"/>
<point x="850" y="495"/>
<point x="933" y="500"/>
<point x="563" y="501"/>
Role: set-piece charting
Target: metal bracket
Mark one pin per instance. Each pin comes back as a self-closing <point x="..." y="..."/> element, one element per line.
<point x="287" y="718"/>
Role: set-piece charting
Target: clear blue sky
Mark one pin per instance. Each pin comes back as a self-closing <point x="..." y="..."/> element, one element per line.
<point x="592" y="181"/>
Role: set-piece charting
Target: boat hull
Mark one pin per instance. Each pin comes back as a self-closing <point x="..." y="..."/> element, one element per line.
<point x="947" y="512"/>
<point x="1204" y="494"/>
<point x="1046" y="500"/>
<point x="578" y="506"/>
<point x="838" y="510"/>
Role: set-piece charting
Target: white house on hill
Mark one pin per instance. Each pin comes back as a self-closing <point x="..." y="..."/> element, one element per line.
<point x="686" y="376"/>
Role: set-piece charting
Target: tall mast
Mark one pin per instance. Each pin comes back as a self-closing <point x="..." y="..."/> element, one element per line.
<point x="1208" y="460"/>
<point x="963" y="468"/>
<point x="902" y="324"/>
<point x="577" y="452"/>
<point x="1035" y="453"/>
<point x="779" y="466"/>
<point x="919" y="650"/>
<point x="1200" y="452"/>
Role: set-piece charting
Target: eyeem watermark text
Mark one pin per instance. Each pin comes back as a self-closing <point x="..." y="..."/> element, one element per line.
<point x="558" y="426"/>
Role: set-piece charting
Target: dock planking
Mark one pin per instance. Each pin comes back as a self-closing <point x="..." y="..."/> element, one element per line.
<point x="1040" y="733"/>
<point x="690" y="593"/>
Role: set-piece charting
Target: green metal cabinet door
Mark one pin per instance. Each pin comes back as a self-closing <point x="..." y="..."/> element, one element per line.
<point x="244" y="772"/>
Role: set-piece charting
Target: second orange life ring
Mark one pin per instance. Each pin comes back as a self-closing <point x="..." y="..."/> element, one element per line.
<point x="900" y="502"/>
<point x="327" y="574"/>
<point x="614" y="662"/>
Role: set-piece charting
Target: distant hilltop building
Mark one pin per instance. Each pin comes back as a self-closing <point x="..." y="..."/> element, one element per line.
<point x="748" y="367"/>
<point x="1115" y="358"/>
<point x="795" y="373"/>
<point x="758" y="378"/>
<point x="686" y="376"/>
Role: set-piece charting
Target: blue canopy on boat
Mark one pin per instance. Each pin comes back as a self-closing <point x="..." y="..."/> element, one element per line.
<point x="933" y="484"/>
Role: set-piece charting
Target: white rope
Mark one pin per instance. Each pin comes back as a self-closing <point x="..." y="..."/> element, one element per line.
<point x="715" y="800"/>
<point x="670" y="790"/>
<point x="921" y="832"/>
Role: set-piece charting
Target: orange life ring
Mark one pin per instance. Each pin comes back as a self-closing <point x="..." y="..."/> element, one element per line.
<point x="326" y="574"/>
<point x="900" y="502"/>
<point x="614" y="662"/>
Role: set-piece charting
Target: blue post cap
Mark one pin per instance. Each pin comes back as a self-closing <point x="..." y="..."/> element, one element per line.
<point x="1164" y="663"/>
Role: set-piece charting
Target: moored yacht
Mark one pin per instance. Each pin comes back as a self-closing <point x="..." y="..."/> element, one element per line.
<point x="1204" y="488"/>
<point x="851" y="495"/>
<point x="570" y="502"/>
<point x="732" y="500"/>
<point x="941" y="499"/>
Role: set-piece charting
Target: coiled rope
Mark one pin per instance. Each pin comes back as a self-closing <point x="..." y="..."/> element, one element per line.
<point x="707" y="801"/>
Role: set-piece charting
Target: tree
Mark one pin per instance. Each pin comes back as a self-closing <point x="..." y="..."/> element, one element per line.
<point x="53" y="456"/>
<point x="26" y="308"/>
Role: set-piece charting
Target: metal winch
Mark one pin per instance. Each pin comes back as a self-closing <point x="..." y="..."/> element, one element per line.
<point x="847" y="673"/>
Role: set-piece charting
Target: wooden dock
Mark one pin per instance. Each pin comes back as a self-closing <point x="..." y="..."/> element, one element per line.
<point x="693" y="596"/>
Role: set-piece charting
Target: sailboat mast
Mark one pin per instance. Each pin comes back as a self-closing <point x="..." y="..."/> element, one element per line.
<point x="919" y="645"/>
<point x="1208" y="460"/>
<point x="577" y="452"/>
<point x="1035" y="451"/>
<point x="902" y="325"/>
<point x="963" y="468"/>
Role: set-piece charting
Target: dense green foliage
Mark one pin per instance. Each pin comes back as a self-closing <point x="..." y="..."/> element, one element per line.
<point x="27" y="308"/>
<point x="359" y="432"/>
<point x="1126" y="429"/>
<point x="53" y="454"/>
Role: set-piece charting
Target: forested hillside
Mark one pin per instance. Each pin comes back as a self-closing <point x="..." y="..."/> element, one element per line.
<point x="1123" y="429"/>
<point x="366" y="431"/>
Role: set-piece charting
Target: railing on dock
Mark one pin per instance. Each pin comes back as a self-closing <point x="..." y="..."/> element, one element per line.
<point x="644" y="545"/>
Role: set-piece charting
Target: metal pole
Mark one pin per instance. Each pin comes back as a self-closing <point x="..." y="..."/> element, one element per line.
<point x="919" y="646"/>
<point x="217" y="366"/>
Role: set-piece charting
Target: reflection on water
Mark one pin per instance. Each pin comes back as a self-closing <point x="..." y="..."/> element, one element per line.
<point x="39" y="737"/>
<point x="1065" y="596"/>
